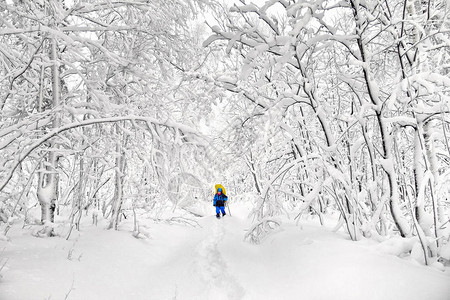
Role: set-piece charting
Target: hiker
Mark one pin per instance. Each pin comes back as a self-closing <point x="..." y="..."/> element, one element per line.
<point x="219" y="202"/>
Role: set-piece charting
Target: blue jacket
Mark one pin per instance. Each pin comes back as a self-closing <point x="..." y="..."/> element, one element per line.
<point x="219" y="200"/>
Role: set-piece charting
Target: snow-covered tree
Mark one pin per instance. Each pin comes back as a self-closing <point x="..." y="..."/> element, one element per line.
<point x="350" y="102"/>
<point x="82" y="83"/>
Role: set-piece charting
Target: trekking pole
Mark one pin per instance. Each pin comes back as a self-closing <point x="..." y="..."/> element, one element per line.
<point x="229" y="211"/>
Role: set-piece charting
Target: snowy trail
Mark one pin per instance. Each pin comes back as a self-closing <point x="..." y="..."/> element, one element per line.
<point x="213" y="268"/>
<point x="211" y="262"/>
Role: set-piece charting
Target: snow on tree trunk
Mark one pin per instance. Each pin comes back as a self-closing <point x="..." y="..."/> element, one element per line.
<point x="48" y="176"/>
<point x="419" y="215"/>
<point x="46" y="194"/>
<point x="430" y="153"/>
<point x="387" y="160"/>
<point x="389" y="168"/>
<point x="119" y="179"/>
<point x="419" y="209"/>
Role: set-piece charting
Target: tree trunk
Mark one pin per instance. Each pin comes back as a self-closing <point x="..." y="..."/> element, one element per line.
<point x="118" y="193"/>
<point x="438" y="208"/>
<point x="388" y="164"/>
<point x="48" y="178"/>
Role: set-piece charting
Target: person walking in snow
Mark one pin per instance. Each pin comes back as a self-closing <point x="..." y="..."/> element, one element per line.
<point x="219" y="202"/>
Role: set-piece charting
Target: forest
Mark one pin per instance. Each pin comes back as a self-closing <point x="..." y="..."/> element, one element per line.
<point x="317" y="109"/>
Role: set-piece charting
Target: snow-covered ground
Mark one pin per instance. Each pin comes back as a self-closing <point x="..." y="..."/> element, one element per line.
<point x="210" y="262"/>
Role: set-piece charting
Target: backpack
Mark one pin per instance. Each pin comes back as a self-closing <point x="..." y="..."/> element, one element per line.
<point x="217" y="186"/>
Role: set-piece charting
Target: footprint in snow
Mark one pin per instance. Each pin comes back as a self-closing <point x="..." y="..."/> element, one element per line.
<point x="306" y="241"/>
<point x="220" y="284"/>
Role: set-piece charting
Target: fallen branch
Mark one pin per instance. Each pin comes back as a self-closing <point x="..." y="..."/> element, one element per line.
<point x="261" y="230"/>
<point x="180" y="220"/>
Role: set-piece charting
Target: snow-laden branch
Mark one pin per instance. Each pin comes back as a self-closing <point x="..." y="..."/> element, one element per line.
<point x="86" y="8"/>
<point x="98" y="29"/>
<point x="261" y="229"/>
<point x="26" y="152"/>
<point x="260" y="12"/>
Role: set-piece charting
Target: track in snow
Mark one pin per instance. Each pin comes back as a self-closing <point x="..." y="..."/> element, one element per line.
<point x="219" y="283"/>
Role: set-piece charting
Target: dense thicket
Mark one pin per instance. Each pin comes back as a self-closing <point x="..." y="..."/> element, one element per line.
<point x="97" y="105"/>
<point x="346" y="108"/>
